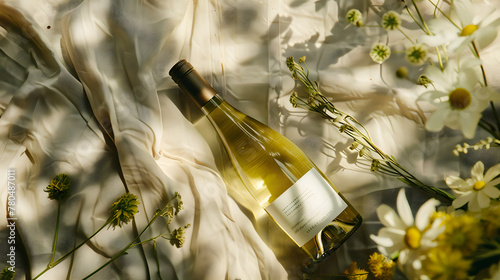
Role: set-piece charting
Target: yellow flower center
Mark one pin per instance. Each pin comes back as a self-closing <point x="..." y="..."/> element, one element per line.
<point x="469" y="29"/>
<point x="479" y="185"/>
<point x="460" y="98"/>
<point x="413" y="237"/>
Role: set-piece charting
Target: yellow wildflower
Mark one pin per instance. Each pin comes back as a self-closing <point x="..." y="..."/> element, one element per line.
<point x="58" y="187"/>
<point x="445" y="264"/>
<point x="462" y="233"/>
<point x="355" y="273"/>
<point x="491" y="219"/>
<point x="381" y="266"/>
<point x="124" y="209"/>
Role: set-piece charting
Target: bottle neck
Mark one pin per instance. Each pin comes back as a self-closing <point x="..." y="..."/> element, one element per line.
<point x="213" y="103"/>
<point x="192" y="83"/>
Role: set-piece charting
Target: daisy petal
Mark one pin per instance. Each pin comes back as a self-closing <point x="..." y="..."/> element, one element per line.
<point x="388" y="217"/>
<point x="463" y="9"/>
<point x="404" y="209"/>
<point x="382" y="240"/>
<point x="424" y="213"/>
<point x="437" y="119"/>
<point x="483" y="200"/>
<point x="457" y="183"/>
<point x="487" y="34"/>
<point x="493" y="182"/>
<point x="469" y="123"/>
<point x="462" y="200"/>
<point x="491" y="191"/>
<point x="474" y="203"/>
<point x="492" y="173"/>
<point x="477" y="171"/>
<point x="432" y="95"/>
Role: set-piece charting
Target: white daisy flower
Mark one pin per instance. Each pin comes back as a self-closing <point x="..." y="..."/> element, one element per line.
<point x="475" y="24"/>
<point x="459" y="97"/>
<point x="478" y="190"/>
<point x="404" y="234"/>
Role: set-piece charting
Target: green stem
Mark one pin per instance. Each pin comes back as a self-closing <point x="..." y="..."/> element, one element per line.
<point x="413" y="17"/>
<point x="408" y="38"/>
<point x="155" y="249"/>
<point x="124" y="250"/>
<point x="57" y="232"/>
<point x="426" y="28"/>
<point x="445" y="15"/>
<point x="53" y="264"/>
<point x="492" y="105"/>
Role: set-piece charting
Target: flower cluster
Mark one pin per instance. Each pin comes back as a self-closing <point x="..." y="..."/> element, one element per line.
<point x="59" y="187"/>
<point x="378" y="161"/>
<point x="440" y="244"/>
<point x="124" y="209"/>
<point x="380" y="266"/>
<point x="457" y="236"/>
<point x="448" y="44"/>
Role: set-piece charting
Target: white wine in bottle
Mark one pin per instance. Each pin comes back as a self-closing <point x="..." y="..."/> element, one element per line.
<point x="290" y="188"/>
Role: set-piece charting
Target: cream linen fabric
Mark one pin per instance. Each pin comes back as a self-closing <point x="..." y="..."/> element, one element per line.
<point x="84" y="90"/>
<point x="83" y="98"/>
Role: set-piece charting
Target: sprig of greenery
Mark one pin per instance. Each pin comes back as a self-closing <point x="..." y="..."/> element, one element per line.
<point x="58" y="189"/>
<point x="122" y="212"/>
<point x="172" y="207"/>
<point x="380" y="162"/>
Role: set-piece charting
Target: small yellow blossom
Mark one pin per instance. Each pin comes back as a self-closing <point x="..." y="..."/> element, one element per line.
<point x="356" y="273"/>
<point x="491" y="220"/>
<point x="124" y="209"/>
<point x="381" y="266"/>
<point x="443" y="264"/>
<point x="176" y="237"/>
<point x="462" y="233"/>
<point x="7" y="274"/>
<point x="59" y="186"/>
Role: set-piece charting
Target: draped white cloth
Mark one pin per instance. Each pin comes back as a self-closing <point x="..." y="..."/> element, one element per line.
<point x="84" y="90"/>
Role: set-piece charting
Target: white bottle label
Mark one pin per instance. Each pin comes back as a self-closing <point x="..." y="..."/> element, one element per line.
<point x="306" y="207"/>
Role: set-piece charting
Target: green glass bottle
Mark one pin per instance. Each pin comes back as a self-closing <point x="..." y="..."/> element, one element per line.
<point x="285" y="182"/>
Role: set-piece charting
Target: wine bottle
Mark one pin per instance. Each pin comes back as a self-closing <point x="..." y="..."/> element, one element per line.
<point x="290" y="188"/>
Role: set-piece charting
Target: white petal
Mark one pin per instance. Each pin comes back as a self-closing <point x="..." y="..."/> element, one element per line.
<point x="493" y="182"/>
<point x="474" y="203"/>
<point x="382" y="240"/>
<point x="437" y="119"/>
<point x="389" y="218"/>
<point x="441" y="79"/>
<point x="471" y="63"/>
<point x="481" y="98"/>
<point x="463" y="9"/>
<point x="459" y="44"/>
<point x="424" y="213"/>
<point x="491" y="191"/>
<point x="436" y="229"/>
<point x="457" y="183"/>
<point x="430" y="96"/>
<point x="404" y="209"/>
<point x="492" y="173"/>
<point x="462" y="200"/>
<point x="486" y="35"/>
<point x="483" y="200"/>
<point x="389" y="238"/>
<point x="469" y="124"/>
<point x="477" y="171"/>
